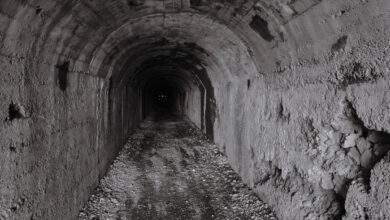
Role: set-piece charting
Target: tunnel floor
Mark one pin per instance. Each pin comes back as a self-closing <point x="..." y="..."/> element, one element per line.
<point x="169" y="170"/>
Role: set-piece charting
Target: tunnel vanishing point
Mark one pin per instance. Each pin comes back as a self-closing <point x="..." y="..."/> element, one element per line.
<point x="296" y="94"/>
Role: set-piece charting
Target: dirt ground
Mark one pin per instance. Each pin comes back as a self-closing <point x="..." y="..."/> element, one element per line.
<point x="168" y="170"/>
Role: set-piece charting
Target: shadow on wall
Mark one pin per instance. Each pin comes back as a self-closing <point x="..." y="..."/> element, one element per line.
<point x="260" y="25"/>
<point x="62" y="75"/>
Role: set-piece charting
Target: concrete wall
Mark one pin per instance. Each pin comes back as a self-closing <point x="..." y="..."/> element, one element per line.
<point x="193" y="108"/>
<point x="58" y="131"/>
<point x="55" y="149"/>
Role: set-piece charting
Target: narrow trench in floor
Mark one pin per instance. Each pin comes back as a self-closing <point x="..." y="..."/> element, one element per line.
<point x="169" y="170"/>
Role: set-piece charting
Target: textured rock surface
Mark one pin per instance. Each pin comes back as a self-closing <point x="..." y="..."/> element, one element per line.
<point x="370" y="198"/>
<point x="295" y="93"/>
<point x="168" y="170"/>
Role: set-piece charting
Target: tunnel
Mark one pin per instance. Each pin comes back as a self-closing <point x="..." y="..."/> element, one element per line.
<point x="169" y="78"/>
<point x="164" y="98"/>
<point x="294" y="94"/>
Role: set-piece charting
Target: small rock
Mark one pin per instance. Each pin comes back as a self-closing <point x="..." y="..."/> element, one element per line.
<point x="327" y="182"/>
<point x="366" y="159"/>
<point x="362" y="145"/>
<point x="350" y="140"/>
<point x="354" y="154"/>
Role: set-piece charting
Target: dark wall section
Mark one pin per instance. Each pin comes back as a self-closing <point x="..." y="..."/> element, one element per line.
<point x="164" y="97"/>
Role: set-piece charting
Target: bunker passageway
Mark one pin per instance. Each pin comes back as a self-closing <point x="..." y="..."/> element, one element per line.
<point x="169" y="170"/>
<point x="294" y="93"/>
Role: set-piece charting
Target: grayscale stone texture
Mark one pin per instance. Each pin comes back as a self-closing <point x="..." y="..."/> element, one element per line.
<point x="296" y="94"/>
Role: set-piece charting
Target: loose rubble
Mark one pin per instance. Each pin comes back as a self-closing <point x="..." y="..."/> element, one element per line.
<point x="168" y="170"/>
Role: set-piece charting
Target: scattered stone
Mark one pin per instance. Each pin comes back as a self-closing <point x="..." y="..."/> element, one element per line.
<point x="158" y="176"/>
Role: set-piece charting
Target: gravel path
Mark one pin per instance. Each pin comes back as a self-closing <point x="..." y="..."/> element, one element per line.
<point x="168" y="170"/>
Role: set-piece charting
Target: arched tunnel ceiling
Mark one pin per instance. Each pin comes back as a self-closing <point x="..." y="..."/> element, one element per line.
<point x="99" y="34"/>
<point x="180" y="36"/>
<point x="79" y="28"/>
<point x="150" y="56"/>
<point x="89" y="31"/>
<point x="183" y="76"/>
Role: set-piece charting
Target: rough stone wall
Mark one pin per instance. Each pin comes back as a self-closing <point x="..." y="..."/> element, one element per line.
<point x="319" y="120"/>
<point x="370" y="198"/>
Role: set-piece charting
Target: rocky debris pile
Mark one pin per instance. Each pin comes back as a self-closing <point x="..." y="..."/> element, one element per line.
<point x="346" y="150"/>
<point x="370" y="200"/>
<point x="168" y="170"/>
